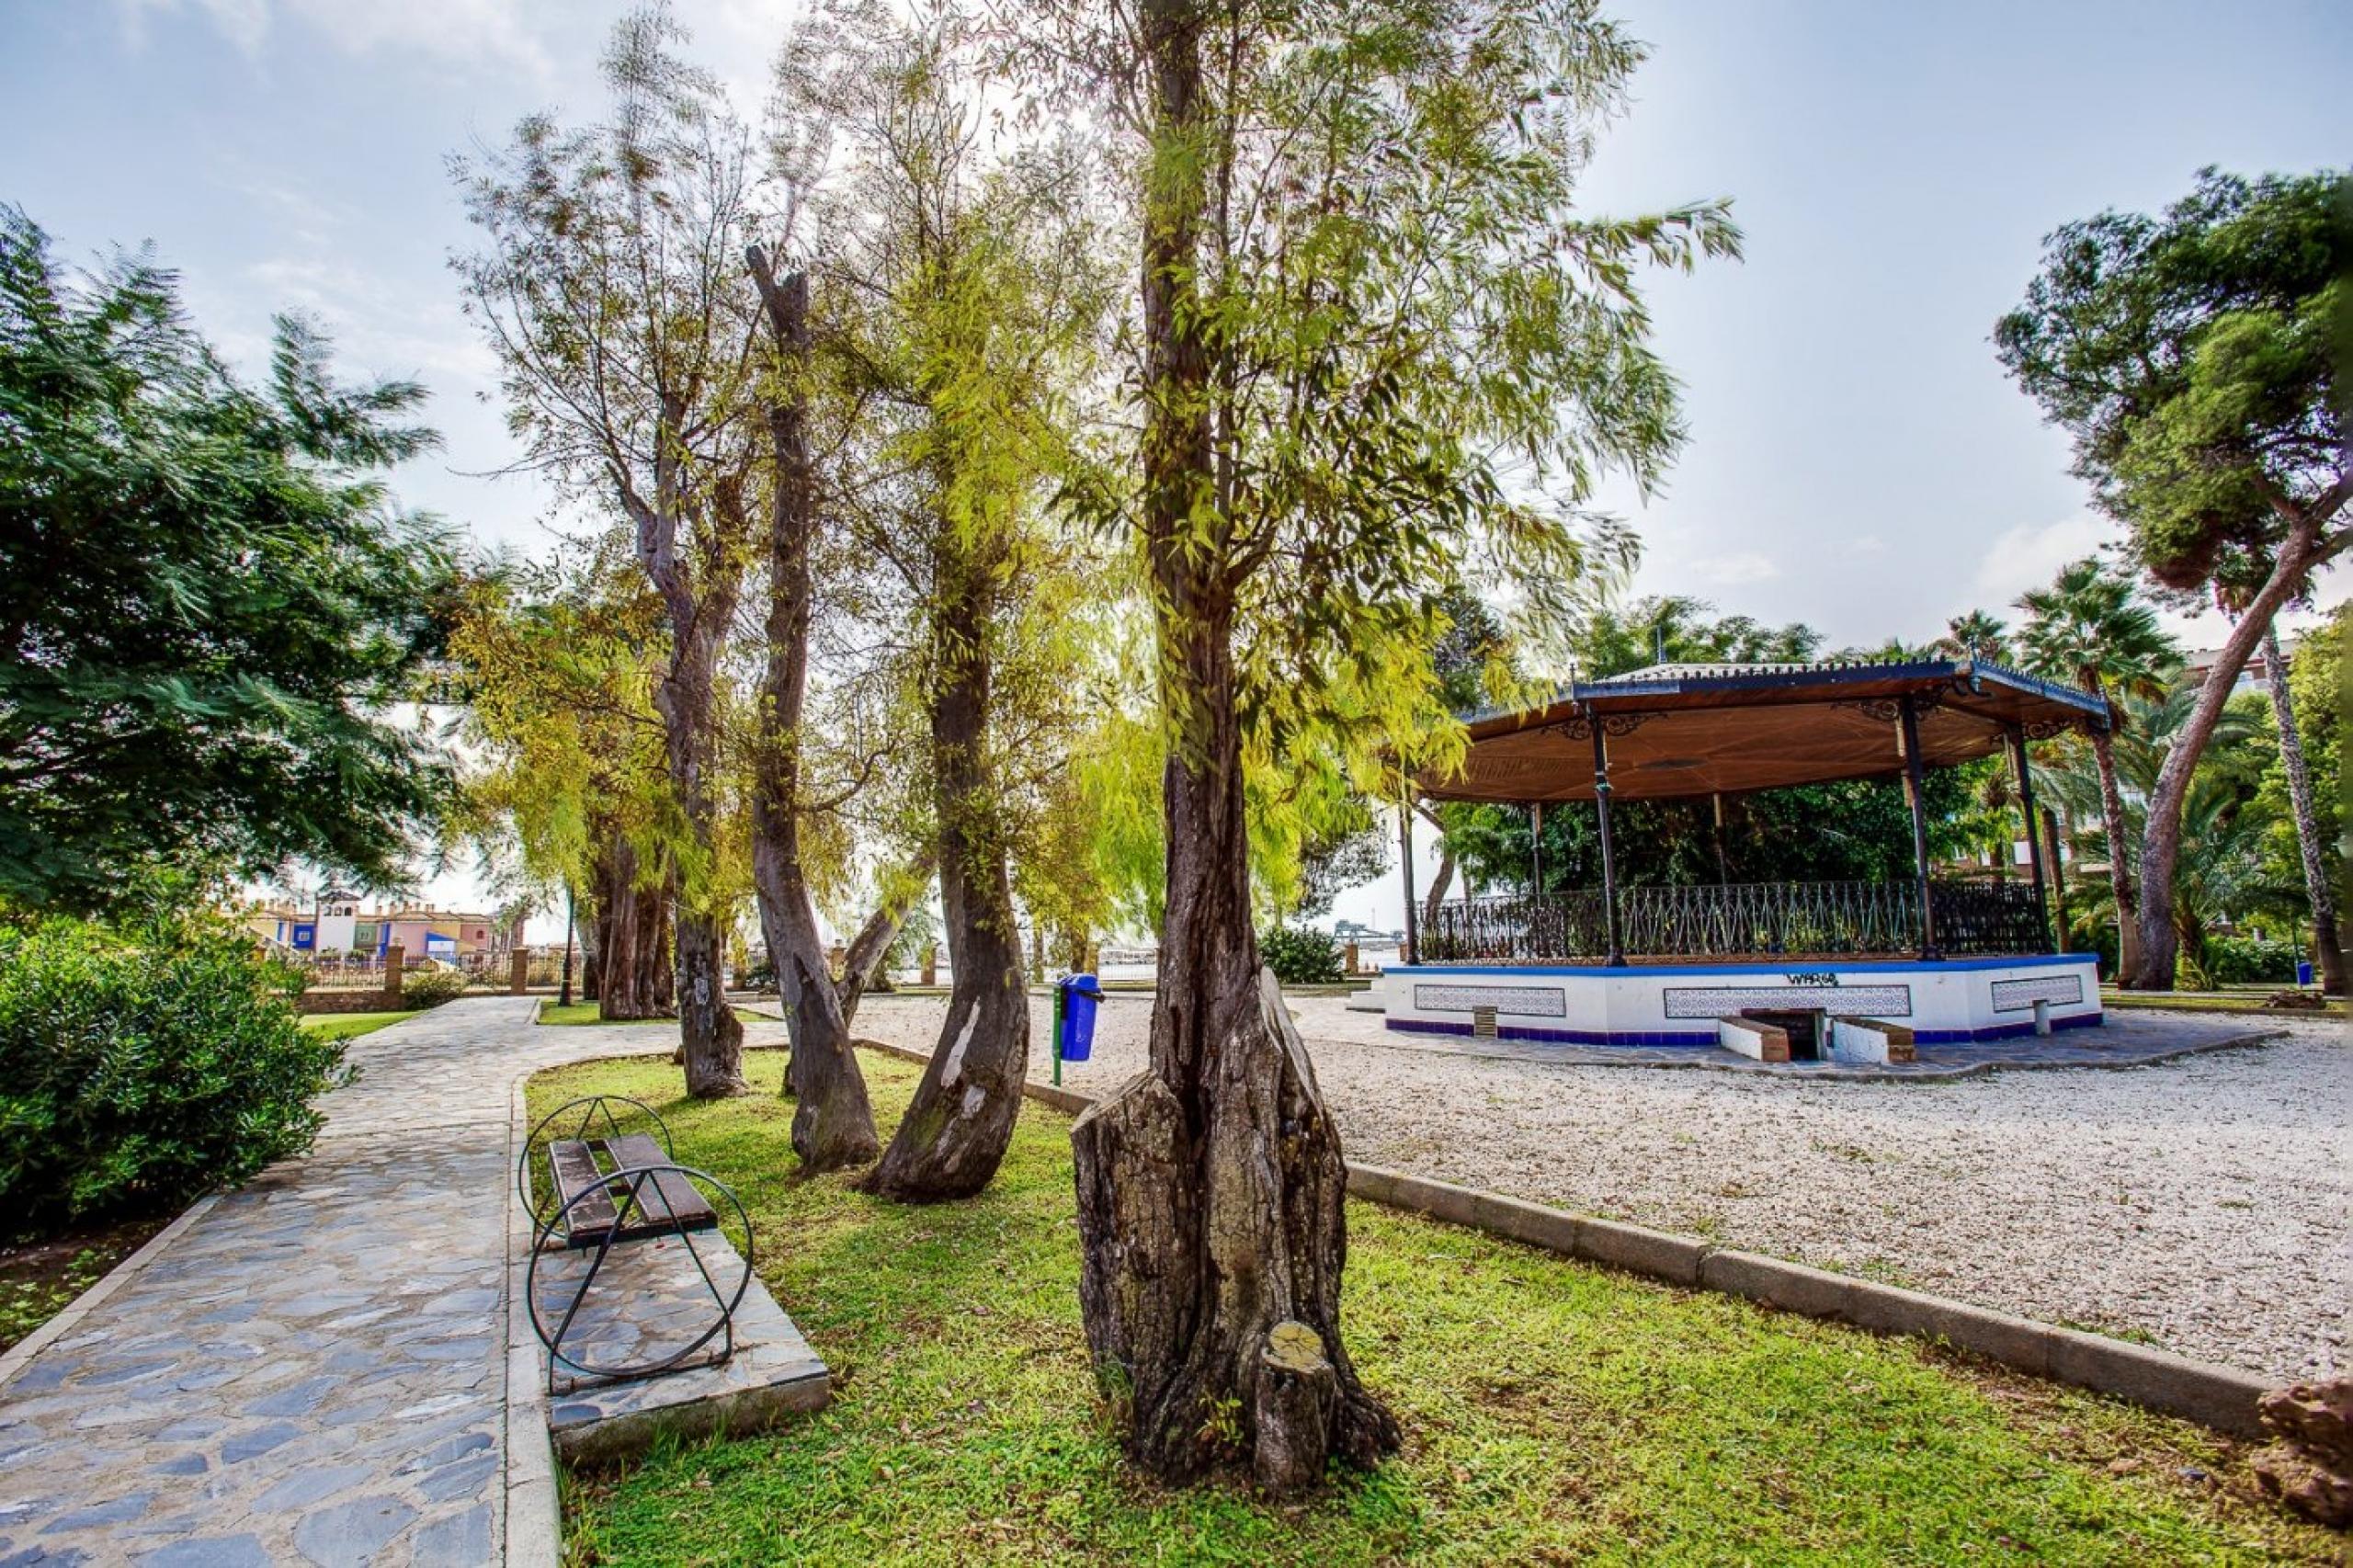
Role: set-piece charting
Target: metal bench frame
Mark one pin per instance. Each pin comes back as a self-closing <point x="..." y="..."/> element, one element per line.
<point x="627" y="1186"/>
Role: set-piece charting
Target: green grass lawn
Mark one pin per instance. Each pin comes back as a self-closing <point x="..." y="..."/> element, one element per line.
<point x="2160" y="1002"/>
<point x="587" y="1012"/>
<point x="345" y="1026"/>
<point x="1553" y="1412"/>
<point x="39" y="1278"/>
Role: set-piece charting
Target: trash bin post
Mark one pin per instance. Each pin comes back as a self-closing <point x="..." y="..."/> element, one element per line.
<point x="1060" y="995"/>
<point x="1076" y="996"/>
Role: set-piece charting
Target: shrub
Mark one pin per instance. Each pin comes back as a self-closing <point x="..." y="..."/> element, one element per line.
<point x="141" y="1068"/>
<point x="2247" y="961"/>
<point x="1300" y="955"/>
<point x="431" y="987"/>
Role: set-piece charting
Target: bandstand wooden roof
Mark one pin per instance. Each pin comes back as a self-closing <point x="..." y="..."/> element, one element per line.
<point x="1677" y="730"/>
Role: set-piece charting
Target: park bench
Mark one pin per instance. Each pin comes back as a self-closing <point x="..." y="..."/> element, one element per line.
<point x="612" y="1195"/>
<point x="600" y="1207"/>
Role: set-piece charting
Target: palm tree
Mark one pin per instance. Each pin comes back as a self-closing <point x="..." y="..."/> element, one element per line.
<point x="2221" y="874"/>
<point x="1976" y="635"/>
<point x="2091" y="628"/>
<point x="2311" y="849"/>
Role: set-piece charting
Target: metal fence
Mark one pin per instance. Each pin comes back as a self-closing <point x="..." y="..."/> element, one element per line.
<point x="1739" y="918"/>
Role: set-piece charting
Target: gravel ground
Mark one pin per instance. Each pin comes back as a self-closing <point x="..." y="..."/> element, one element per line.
<point x="2204" y="1204"/>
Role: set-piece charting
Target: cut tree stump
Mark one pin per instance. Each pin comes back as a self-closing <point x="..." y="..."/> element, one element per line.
<point x="1297" y="1393"/>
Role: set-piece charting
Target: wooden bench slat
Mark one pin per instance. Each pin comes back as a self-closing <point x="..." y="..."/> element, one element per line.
<point x="572" y="1165"/>
<point x="664" y="1197"/>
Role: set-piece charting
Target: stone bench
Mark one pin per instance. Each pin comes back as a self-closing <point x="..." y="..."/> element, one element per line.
<point x="1753" y="1038"/>
<point x="1871" y="1040"/>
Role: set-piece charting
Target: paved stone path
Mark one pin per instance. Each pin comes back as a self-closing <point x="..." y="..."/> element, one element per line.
<point x="315" y="1371"/>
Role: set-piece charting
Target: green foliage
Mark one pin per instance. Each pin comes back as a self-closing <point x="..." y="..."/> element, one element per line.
<point x="2223" y="874"/>
<point x="2193" y="357"/>
<point x="1612" y="639"/>
<point x="1301" y="955"/>
<point x="2251" y="960"/>
<point x="2316" y="674"/>
<point x="141" y="1067"/>
<point x="431" y="987"/>
<point x="1563" y="1413"/>
<point x="206" y="600"/>
<point x="2091" y="627"/>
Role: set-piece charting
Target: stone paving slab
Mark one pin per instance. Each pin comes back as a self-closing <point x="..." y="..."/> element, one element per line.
<point x="649" y="1300"/>
<point x="317" y="1369"/>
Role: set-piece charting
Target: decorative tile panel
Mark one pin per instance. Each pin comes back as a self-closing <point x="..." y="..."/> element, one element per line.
<point x="2017" y="995"/>
<point x="1529" y="1001"/>
<point x="1716" y="1001"/>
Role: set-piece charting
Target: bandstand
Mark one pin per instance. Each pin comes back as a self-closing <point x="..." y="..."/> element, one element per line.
<point x="1852" y="970"/>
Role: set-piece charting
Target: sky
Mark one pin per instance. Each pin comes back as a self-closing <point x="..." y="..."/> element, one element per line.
<point x="1856" y="458"/>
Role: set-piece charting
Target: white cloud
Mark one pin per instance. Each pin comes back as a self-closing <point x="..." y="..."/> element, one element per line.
<point x="473" y="31"/>
<point x="2030" y="554"/>
<point x="1730" y="570"/>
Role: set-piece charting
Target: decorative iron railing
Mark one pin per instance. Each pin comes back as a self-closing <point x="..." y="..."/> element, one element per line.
<point x="1762" y="918"/>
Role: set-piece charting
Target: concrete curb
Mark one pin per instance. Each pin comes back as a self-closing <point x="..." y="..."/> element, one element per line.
<point x="1068" y="1100"/>
<point x="2207" y="1392"/>
<point x="69" y="1316"/>
<point x="2220" y="1397"/>
<point x="532" y="1518"/>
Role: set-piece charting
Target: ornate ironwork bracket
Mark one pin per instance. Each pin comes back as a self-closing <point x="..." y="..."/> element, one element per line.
<point x="1580" y="727"/>
<point x="1888" y="709"/>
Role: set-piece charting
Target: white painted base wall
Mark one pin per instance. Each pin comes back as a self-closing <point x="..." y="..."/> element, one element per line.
<point x="1953" y="1001"/>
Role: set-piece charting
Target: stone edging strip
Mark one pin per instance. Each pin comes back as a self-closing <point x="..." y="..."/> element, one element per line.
<point x="533" y="1537"/>
<point x="2214" y="1395"/>
<point x="21" y="1354"/>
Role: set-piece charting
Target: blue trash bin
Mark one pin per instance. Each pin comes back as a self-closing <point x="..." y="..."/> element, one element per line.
<point x="1075" y="1012"/>
<point x="2304" y="971"/>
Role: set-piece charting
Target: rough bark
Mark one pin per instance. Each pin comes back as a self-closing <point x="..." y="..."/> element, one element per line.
<point x="1443" y="882"/>
<point x="862" y="960"/>
<point x="2317" y="887"/>
<point x="955" y="1131"/>
<point x="1210" y="1187"/>
<point x="2304" y="550"/>
<point x="631" y="920"/>
<point x="2120" y="872"/>
<point x="832" y="1124"/>
<point x="710" y="1041"/>
<point x="2057" y="877"/>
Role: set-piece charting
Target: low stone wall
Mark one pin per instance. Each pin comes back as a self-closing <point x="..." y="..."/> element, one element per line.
<point x="346" y="1002"/>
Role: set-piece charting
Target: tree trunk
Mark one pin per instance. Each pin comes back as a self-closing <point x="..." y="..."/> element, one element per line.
<point x="711" y="1040"/>
<point x="2303" y="552"/>
<point x="955" y="1131"/>
<point x="1443" y="882"/>
<point x="1210" y="1187"/>
<point x="657" y="949"/>
<point x="2055" y="871"/>
<point x="2120" y="873"/>
<point x="862" y="960"/>
<point x="590" y="915"/>
<point x="2299" y="795"/>
<point x="833" y="1125"/>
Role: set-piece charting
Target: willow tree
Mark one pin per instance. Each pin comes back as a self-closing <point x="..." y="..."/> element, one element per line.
<point x="612" y="291"/>
<point x="961" y="294"/>
<point x="2195" y="357"/>
<point x="558" y="669"/>
<point x="1380" y="353"/>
